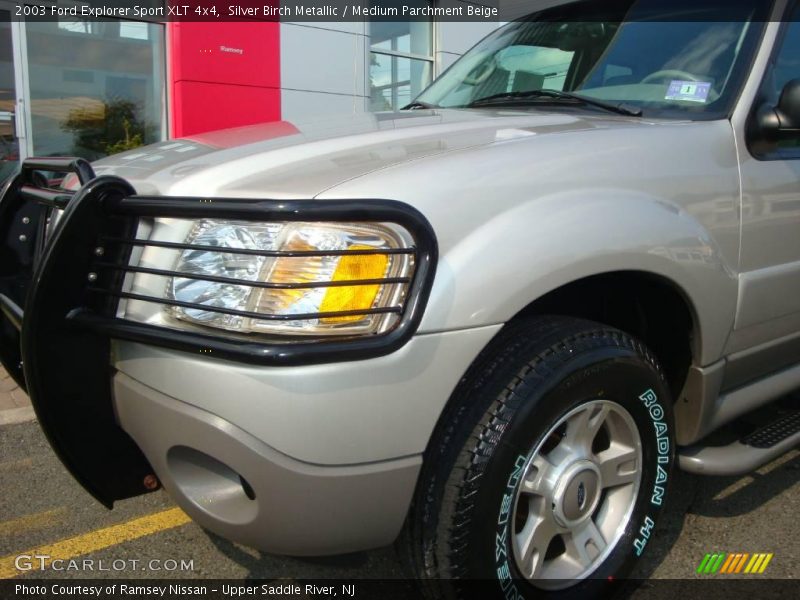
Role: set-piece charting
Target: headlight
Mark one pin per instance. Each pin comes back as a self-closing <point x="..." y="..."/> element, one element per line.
<point x="259" y="281"/>
<point x="292" y="278"/>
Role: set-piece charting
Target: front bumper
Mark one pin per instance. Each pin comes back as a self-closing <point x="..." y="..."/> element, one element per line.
<point x="71" y="284"/>
<point x="331" y="452"/>
<point x="310" y="447"/>
<point x="328" y="414"/>
<point x="238" y="487"/>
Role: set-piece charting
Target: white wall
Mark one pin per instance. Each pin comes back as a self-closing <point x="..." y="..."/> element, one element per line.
<point x="324" y="65"/>
<point x="323" y="68"/>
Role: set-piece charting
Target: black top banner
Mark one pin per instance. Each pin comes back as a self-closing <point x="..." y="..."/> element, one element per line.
<point x="300" y="11"/>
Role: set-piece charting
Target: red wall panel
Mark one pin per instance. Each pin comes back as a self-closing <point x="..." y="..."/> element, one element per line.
<point x="223" y="75"/>
<point x="199" y="107"/>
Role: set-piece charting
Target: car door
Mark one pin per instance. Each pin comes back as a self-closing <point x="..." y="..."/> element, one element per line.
<point x="766" y="336"/>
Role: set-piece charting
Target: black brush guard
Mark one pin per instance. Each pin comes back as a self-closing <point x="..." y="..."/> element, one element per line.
<point x="59" y="300"/>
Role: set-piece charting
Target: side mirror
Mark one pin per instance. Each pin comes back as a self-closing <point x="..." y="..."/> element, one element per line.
<point x="781" y="122"/>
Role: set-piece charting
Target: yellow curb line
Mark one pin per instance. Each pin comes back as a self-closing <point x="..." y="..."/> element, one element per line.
<point x="12" y="416"/>
<point x="36" y="521"/>
<point x="16" y="465"/>
<point x="98" y="539"/>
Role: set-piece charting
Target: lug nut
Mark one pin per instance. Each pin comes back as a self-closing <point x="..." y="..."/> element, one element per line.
<point x="92" y="277"/>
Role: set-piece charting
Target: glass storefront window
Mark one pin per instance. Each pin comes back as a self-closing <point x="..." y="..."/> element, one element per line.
<point x="409" y="37"/>
<point x="395" y="80"/>
<point x="96" y="88"/>
<point x="9" y="145"/>
<point x="400" y="62"/>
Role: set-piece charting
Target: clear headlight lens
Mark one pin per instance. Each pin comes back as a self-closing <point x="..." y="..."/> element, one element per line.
<point x="300" y="280"/>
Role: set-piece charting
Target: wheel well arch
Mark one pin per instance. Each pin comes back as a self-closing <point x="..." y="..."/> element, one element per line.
<point x="647" y="306"/>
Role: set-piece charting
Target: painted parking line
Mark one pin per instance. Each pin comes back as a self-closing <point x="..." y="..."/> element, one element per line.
<point x="28" y="523"/>
<point x="12" y="416"/>
<point x="99" y="539"/>
<point x="16" y="465"/>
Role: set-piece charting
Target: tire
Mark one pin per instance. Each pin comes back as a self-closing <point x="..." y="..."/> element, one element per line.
<point x="513" y="459"/>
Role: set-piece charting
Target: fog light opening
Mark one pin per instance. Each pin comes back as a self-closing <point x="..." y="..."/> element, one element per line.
<point x="212" y="486"/>
<point x="248" y="489"/>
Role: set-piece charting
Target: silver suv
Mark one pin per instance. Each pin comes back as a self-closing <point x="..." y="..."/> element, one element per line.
<point x="489" y="322"/>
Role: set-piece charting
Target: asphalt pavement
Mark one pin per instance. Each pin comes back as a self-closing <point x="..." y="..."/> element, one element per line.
<point x="42" y="509"/>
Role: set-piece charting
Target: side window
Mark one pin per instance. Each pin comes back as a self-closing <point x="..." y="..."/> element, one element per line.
<point x="787" y="62"/>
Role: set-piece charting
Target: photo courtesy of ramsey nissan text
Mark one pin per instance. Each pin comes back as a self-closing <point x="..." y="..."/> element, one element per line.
<point x="414" y="299"/>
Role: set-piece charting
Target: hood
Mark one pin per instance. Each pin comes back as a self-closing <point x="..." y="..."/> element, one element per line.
<point x="302" y="159"/>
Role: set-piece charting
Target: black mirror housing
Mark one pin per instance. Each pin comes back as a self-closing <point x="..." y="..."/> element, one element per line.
<point x="772" y="124"/>
<point x="788" y="110"/>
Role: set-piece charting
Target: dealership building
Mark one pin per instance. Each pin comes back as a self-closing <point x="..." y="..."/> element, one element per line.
<point x="94" y="87"/>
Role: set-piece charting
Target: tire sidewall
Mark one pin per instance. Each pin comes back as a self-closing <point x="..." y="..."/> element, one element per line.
<point x="617" y="375"/>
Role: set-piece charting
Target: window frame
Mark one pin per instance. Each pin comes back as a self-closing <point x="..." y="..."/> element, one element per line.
<point x="164" y="42"/>
<point x="430" y="59"/>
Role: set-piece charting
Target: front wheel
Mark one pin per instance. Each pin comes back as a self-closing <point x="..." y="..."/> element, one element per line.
<point x="548" y="471"/>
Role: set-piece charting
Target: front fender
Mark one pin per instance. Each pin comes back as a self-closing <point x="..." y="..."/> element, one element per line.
<point x="524" y="253"/>
<point x="531" y="213"/>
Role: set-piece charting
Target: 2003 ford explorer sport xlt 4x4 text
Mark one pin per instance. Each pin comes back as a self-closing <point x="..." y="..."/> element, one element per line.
<point x="486" y="325"/>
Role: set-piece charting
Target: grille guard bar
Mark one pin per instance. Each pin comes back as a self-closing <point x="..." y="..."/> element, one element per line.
<point x="26" y="204"/>
<point x="260" y="351"/>
<point x="66" y="328"/>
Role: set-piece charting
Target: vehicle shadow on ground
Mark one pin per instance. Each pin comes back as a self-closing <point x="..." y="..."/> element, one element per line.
<point x="714" y="497"/>
<point x="717" y="497"/>
<point x="734" y="496"/>
<point x="375" y="564"/>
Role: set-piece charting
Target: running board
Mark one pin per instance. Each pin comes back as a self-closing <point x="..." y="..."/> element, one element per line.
<point x="747" y="454"/>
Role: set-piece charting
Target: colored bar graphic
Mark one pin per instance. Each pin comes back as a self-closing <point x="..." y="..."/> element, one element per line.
<point x="711" y="563"/>
<point x="733" y="562"/>
<point x="764" y="564"/>
<point x="704" y="563"/>
<point x="732" y="559"/>
<point x="754" y="563"/>
<point x="739" y="567"/>
<point x="725" y="563"/>
<point x="718" y="563"/>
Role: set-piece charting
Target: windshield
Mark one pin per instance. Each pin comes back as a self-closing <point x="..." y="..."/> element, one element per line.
<point x="667" y="58"/>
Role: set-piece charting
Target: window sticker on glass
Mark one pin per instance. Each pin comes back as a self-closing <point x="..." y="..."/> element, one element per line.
<point x="688" y="91"/>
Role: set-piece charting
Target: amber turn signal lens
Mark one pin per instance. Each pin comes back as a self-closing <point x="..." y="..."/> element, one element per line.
<point x="356" y="297"/>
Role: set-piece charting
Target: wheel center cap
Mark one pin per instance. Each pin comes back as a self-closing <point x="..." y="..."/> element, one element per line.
<point x="577" y="493"/>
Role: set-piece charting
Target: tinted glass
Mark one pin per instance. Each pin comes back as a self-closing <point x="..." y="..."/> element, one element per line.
<point x="787" y="62"/>
<point x="677" y="59"/>
<point x="410" y="37"/>
<point x="96" y="86"/>
<point x="9" y="147"/>
<point x="395" y="80"/>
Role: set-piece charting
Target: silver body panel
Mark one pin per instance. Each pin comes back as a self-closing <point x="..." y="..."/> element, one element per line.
<point x="504" y="189"/>
<point x="331" y="414"/>
<point x="522" y="203"/>
<point x="297" y="508"/>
